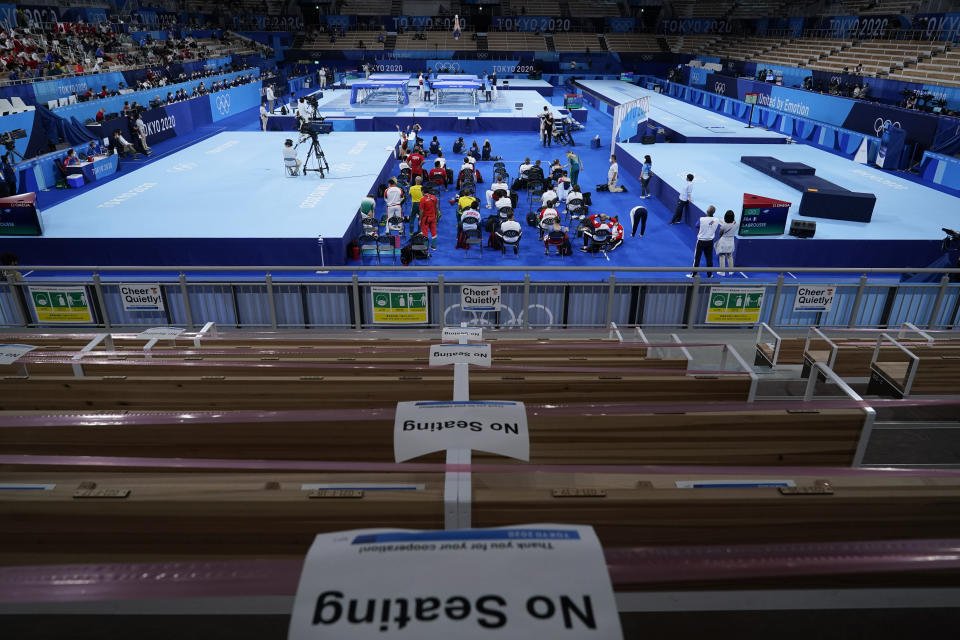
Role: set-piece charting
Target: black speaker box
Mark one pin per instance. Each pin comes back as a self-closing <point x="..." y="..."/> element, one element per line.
<point x="649" y="139"/>
<point x="803" y="228"/>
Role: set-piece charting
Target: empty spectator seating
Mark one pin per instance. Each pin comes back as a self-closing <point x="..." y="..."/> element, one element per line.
<point x="191" y="516"/>
<point x="904" y="369"/>
<point x="941" y="68"/>
<point x="697" y="44"/>
<point x="436" y="39"/>
<point x="366" y="7"/>
<point x="347" y="41"/>
<point x="532" y="8"/>
<point x="515" y="41"/>
<point x="594" y="9"/>
<point x="632" y="42"/>
<point x="576" y="41"/>
<point x="878" y="57"/>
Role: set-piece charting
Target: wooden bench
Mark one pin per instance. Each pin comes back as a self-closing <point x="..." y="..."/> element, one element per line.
<point x="761" y="437"/>
<point x="195" y="516"/>
<point x="324" y="392"/>
<point x="780" y="351"/>
<point x="901" y="370"/>
<point x="851" y="358"/>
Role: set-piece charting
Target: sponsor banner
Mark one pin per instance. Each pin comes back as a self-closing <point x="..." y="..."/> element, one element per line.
<point x="224" y="104"/>
<point x="47" y="90"/>
<point x="483" y="297"/>
<point x="400" y="305"/>
<point x="722" y="85"/>
<point x="531" y="23"/>
<point x="8" y="16"/>
<point x="858" y="27"/>
<point x="621" y="25"/>
<point x="814" y="298"/>
<point x="938" y="26"/>
<point x="871" y="119"/>
<point x="18" y="216"/>
<point x="168" y="122"/>
<point x="807" y="104"/>
<point x="60" y="304"/>
<point x="728" y="305"/>
<point x="477" y="67"/>
<point x="762" y="216"/>
<point x="698" y="76"/>
<point x="695" y="25"/>
<point x="511" y="583"/>
<point x="391" y="23"/>
<point x="494" y="426"/>
<point x="141" y="296"/>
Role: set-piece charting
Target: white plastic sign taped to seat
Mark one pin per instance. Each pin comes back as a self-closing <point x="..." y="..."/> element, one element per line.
<point x="494" y="426"/>
<point x="453" y="334"/>
<point x="475" y="354"/>
<point x="508" y="583"/>
<point x="161" y="333"/>
<point x="10" y="353"/>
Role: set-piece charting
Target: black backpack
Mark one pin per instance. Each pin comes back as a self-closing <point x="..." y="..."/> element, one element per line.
<point x="532" y="219"/>
<point x="406" y="255"/>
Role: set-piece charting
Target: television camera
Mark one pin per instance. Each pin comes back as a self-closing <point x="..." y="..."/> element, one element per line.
<point x="951" y="242"/>
<point x="8" y="139"/>
<point x="316" y="160"/>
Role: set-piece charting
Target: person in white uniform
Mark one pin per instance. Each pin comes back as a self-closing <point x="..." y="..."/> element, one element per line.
<point x="707" y="230"/>
<point x="725" y="242"/>
<point x="500" y="184"/>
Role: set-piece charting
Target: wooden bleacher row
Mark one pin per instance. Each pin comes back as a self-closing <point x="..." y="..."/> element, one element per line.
<point x="515" y="41"/>
<point x="219" y="515"/>
<point x="347" y="41"/>
<point x="770" y="437"/>
<point x="933" y="369"/>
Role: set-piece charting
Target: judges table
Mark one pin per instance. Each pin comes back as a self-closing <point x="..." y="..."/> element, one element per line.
<point x="97" y="168"/>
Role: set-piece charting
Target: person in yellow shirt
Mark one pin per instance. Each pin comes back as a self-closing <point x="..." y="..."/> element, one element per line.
<point x="416" y="192"/>
<point x="466" y="199"/>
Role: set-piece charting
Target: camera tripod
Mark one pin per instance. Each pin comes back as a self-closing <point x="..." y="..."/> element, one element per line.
<point x="315" y="156"/>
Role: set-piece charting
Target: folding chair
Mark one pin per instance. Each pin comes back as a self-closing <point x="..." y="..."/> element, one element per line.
<point x="438" y="182"/>
<point x="503" y="212"/>
<point x="292" y="167"/>
<point x="387" y="244"/>
<point x="423" y="245"/>
<point x="535" y="189"/>
<point x="369" y="246"/>
<point x="474" y="237"/>
<point x="546" y="224"/>
<point x="555" y="239"/>
<point x="601" y="238"/>
<point x="395" y="223"/>
<point x="510" y="238"/>
<point x="575" y="208"/>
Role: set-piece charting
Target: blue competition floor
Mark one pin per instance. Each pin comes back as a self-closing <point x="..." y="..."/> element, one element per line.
<point x="231" y="186"/>
<point x="904" y="210"/>
<point x="685" y="119"/>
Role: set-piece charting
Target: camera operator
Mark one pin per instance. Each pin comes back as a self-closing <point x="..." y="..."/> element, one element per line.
<point x="8" y="187"/>
<point x="290" y="155"/>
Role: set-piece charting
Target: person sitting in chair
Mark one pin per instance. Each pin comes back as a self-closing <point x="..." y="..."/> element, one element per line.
<point x="120" y="146"/>
<point x="595" y="223"/>
<point x="290" y="159"/>
<point x="434" y="146"/>
<point x="510" y="225"/>
<point x="438" y="171"/>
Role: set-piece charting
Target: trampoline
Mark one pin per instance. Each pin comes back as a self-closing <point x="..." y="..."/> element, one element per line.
<point x="392" y="91"/>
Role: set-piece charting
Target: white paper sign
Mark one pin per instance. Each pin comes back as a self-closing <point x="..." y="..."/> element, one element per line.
<point x="163" y="333"/>
<point x="509" y="583"/>
<point x="494" y="426"/>
<point x="10" y="353"/>
<point x="452" y="334"/>
<point x="814" y="298"/>
<point x="480" y="297"/>
<point x="141" y="296"/>
<point x="476" y="354"/>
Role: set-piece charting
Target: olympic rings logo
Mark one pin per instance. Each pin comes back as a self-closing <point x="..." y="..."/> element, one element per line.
<point x="223" y="104"/>
<point x="720" y="88"/>
<point x="449" y="66"/>
<point x="880" y="124"/>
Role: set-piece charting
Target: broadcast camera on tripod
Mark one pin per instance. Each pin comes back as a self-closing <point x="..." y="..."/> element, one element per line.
<point x="8" y="140"/>
<point x="310" y="131"/>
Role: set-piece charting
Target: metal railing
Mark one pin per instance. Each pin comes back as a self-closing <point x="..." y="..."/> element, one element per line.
<point x="297" y="297"/>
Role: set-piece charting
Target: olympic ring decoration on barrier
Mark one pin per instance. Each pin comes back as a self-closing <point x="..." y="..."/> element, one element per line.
<point x="449" y="66"/>
<point x="514" y="321"/>
<point x="720" y="88"/>
<point x="879" y="124"/>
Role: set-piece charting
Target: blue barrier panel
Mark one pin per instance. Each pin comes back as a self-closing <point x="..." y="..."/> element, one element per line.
<point x="169" y="121"/>
<point x="224" y="104"/>
<point x="88" y="110"/>
<point x="45" y="90"/>
<point x="940" y="169"/>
